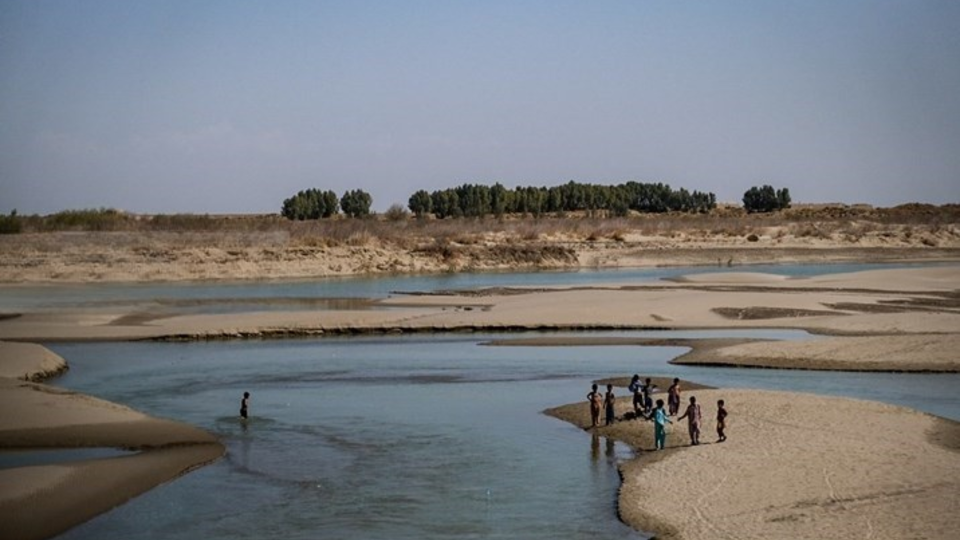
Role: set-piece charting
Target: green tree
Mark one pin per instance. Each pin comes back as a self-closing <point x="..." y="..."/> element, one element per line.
<point x="356" y="203"/>
<point x="420" y="203"/>
<point x="765" y="199"/>
<point x="446" y="203"/>
<point x="310" y="204"/>
<point x="499" y="199"/>
<point x="330" y="204"/>
<point x="783" y="198"/>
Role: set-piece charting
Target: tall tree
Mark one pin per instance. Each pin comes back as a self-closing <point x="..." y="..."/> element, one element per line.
<point x="356" y="203"/>
<point x="420" y="203"/>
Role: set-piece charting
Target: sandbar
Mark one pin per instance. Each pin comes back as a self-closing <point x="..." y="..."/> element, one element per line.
<point x="877" y="307"/>
<point x="43" y="500"/>
<point x="794" y="466"/>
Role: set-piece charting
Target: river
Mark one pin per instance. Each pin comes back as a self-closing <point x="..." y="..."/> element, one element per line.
<point x="401" y="437"/>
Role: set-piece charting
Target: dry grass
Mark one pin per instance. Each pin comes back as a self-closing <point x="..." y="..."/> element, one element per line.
<point x="924" y="224"/>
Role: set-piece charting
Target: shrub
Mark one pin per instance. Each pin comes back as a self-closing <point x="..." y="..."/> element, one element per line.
<point x="10" y="224"/>
<point x="104" y="219"/>
<point x="396" y="212"/>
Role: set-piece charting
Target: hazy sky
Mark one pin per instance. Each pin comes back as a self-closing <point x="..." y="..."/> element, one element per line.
<point x="232" y="106"/>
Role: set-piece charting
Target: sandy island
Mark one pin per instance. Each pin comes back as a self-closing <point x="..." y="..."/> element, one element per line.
<point x="793" y="466"/>
<point x="796" y="466"/>
<point x="879" y="320"/>
<point x="44" y="500"/>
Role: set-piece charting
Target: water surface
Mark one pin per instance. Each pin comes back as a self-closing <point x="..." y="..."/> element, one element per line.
<point x="404" y="437"/>
<point x="226" y="296"/>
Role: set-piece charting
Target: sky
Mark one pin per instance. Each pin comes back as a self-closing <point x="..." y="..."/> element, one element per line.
<point x="232" y="106"/>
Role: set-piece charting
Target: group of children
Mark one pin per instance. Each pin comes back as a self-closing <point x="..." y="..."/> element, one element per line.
<point x="643" y="407"/>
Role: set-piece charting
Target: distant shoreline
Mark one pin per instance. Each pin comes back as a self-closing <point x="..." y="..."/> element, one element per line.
<point x="269" y="248"/>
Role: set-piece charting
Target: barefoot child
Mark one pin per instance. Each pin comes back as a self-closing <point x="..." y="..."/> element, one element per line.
<point x="692" y="414"/>
<point x="721" y="421"/>
<point x="594" y="398"/>
<point x="660" y="421"/>
<point x="673" y="397"/>
<point x="608" y="401"/>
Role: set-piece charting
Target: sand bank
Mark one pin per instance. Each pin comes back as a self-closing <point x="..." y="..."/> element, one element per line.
<point x="29" y="362"/>
<point x="41" y="501"/>
<point x="922" y="303"/>
<point x="794" y="466"/>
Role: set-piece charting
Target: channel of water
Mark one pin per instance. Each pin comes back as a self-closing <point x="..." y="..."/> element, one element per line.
<point x="401" y="437"/>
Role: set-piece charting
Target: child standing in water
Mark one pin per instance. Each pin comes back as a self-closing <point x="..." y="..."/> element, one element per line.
<point x="660" y="421"/>
<point x="608" y="401"/>
<point x="244" y="403"/>
<point x="595" y="403"/>
<point x="721" y="421"/>
<point x="693" y="417"/>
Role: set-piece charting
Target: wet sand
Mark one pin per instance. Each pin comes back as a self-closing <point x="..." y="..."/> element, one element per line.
<point x="917" y="336"/>
<point x="41" y="501"/>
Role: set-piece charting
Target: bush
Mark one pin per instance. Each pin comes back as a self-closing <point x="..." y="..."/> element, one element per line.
<point x="10" y="224"/>
<point x="396" y="212"/>
<point x="104" y="219"/>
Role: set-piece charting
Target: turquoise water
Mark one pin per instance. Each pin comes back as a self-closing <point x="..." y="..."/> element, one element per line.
<point x="236" y="296"/>
<point x="404" y="437"/>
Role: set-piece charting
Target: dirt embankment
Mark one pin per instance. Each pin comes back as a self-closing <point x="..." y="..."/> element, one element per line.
<point x="268" y="248"/>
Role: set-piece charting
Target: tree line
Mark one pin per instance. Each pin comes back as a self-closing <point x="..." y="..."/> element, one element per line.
<point x="316" y="204"/>
<point x="479" y="200"/>
<point x="467" y="200"/>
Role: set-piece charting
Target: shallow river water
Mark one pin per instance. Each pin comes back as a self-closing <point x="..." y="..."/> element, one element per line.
<point x="411" y="437"/>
